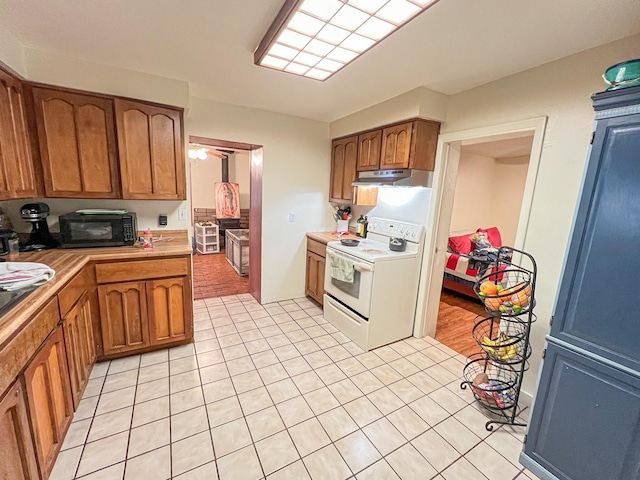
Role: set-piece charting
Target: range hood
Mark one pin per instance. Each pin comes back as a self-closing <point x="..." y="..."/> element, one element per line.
<point x="396" y="178"/>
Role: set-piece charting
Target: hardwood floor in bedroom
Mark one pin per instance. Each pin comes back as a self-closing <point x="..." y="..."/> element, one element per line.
<point x="456" y="318"/>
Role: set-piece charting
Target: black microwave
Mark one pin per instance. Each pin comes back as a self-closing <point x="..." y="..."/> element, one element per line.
<point x="97" y="230"/>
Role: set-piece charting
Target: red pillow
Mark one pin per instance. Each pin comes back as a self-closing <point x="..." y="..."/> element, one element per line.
<point x="493" y="235"/>
<point x="461" y="244"/>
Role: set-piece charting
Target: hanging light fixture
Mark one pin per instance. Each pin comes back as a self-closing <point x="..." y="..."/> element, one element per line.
<point x="198" y="153"/>
<point x="317" y="38"/>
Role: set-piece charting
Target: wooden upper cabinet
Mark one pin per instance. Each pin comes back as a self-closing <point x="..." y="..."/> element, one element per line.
<point x="369" y="150"/>
<point x="80" y="347"/>
<point x="77" y="140"/>
<point x="396" y="146"/>
<point x="49" y="396"/>
<point x="123" y="317"/>
<point x="344" y="155"/>
<point x="16" y="444"/>
<point x="17" y="178"/>
<point x="169" y="306"/>
<point x="151" y="148"/>
<point x="410" y="145"/>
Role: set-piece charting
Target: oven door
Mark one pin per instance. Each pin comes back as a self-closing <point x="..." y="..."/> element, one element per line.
<point x="92" y="231"/>
<point x="357" y="294"/>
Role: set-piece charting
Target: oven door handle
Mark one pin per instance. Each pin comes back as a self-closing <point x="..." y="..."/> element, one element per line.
<point x="361" y="267"/>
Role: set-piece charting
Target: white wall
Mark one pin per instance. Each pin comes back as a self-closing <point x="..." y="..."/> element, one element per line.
<point x="204" y="173"/>
<point x="489" y="194"/>
<point x="420" y="102"/>
<point x="472" y="203"/>
<point x="295" y="179"/>
<point x="560" y="91"/>
<point x="66" y="71"/>
<point x="11" y="52"/>
<point x="506" y="198"/>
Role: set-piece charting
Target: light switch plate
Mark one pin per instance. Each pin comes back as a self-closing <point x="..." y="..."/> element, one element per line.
<point x="292" y="217"/>
<point x="182" y="214"/>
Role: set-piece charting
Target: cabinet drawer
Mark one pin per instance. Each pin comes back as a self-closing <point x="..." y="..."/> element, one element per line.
<point x="141" y="270"/>
<point x="70" y="294"/>
<point x="317" y="247"/>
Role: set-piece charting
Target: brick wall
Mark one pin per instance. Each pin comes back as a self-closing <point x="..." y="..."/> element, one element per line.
<point x="209" y="214"/>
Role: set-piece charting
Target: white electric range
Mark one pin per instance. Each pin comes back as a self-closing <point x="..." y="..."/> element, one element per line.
<point x="378" y="307"/>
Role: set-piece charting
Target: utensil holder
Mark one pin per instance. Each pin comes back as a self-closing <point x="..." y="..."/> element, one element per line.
<point x="343" y="225"/>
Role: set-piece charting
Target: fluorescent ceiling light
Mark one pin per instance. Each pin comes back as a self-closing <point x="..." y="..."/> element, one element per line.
<point x="323" y="9"/>
<point x="318" y="47"/>
<point x="342" y="55"/>
<point x="283" y="52"/>
<point x="296" y="68"/>
<point x="316" y="38"/>
<point x="357" y="43"/>
<point x="333" y="34"/>
<point x="369" y="6"/>
<point x="305" y="24"/>
<point x="398" y="11"/>
<point x="376" y="28"/>
<point x="349" y="18"/>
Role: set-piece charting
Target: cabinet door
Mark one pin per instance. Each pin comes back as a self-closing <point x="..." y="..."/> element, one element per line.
<point x="595" y="307"/>
<point x="424" y="144"/>
<point x="315" y="276"/>
<point x="169" y="303"/>
<point x="49" y="396"/>
<point x="396" y="146"/>
<point x="77" y="144"/>
<point x="80" y="348"/>
<point x="344" y="155"/>
<point x="16" y="445"/>
<point x="369" y="150"/>
<point x="123" y="317"/>
<point x="151" y="148"/>
<point x="17" y="178"/>
<point x="584" y="424"/>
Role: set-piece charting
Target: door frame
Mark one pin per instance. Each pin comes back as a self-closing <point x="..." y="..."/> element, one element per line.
<point x="441" y="207"/>
<point x="255" y="206"/>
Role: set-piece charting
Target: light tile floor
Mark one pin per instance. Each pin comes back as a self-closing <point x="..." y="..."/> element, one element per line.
<point x="276" y="392"/>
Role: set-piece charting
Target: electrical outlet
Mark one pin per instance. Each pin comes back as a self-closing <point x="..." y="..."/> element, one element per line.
<point x="182" y="214"/>
<point x="292" y="217"/>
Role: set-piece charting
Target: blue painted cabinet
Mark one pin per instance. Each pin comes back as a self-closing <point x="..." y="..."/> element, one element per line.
<point x="585" y="422"/>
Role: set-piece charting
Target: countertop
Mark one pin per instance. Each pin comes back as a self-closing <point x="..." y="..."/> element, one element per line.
<point x="68" y="262"/>
<point x="326" y="237"/>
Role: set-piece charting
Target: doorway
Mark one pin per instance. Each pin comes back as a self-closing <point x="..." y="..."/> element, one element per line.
<point x="441" y="210"/>
<point x="226" y="203"/>
<point x="489" y="186"/>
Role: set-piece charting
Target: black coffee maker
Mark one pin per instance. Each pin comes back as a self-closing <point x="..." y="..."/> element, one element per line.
<point x="40" y="237"/>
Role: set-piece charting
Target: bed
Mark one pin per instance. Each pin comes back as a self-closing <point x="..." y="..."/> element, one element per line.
<point x="467" y="261"/>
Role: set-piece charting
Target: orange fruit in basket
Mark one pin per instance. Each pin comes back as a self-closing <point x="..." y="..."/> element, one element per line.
<point x="493" y="303"/>
<point x="489" y="288"/>
<point x="520" y="299"/>
<point x="505" y="292"/>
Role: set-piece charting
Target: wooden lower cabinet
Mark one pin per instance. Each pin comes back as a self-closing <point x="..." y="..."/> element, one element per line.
<point x="80" y="346"/>
<point x="49" y="398"/>
<point x="123" y="317"/>
<point x="16" y="444"/>
<point x="314" y="287"/>
<point x="168" y="310"/>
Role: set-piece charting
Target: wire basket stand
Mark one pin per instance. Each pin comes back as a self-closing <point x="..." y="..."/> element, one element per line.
<point x="494" y="375"/>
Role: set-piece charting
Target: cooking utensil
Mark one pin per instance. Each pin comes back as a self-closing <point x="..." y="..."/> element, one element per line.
<point x="397" y="244"/>
<point x="349" y="242"/>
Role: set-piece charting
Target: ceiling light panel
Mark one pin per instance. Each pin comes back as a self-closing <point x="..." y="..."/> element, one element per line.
<point x="305" y="24"/>
<point x="349" y="18"/>
<point x="369" y="6"/>
<point x="398" y="11"/>
<point x="375" y="28"/>
<point x="323" y="9"/>
<point x="333" y="34"/>
<point x="316" y="38"/>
